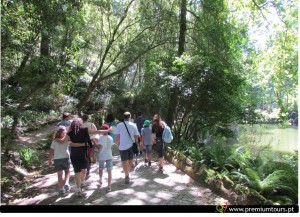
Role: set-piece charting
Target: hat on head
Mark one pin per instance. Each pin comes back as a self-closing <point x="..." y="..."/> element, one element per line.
<point x="104" y="127"/>
<point x="147" y="123"/>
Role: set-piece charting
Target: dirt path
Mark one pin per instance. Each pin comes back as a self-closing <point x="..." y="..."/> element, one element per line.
<point x="147" y="186"/>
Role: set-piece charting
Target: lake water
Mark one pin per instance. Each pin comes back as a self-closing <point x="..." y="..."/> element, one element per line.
<point x="280" y="139"/>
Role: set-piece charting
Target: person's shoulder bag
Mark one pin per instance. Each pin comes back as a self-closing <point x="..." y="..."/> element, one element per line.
<point x="134" y="145"/>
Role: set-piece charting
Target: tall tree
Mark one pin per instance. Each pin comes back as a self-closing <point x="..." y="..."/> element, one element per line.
<point x="126" y="34"/>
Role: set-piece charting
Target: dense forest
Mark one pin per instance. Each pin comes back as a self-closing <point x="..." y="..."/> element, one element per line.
<point x="203" y="65"/>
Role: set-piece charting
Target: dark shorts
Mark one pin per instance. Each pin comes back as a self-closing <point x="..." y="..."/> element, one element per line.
<point x="160" y="147"/>
<point x="126" y="154"/>
<point x="62" y="164"/>
<point x="79" y="163"/>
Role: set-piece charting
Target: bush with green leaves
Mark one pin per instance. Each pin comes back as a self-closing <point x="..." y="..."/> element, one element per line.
<point x="256" y="168"/>
<point x="28" y="156"/>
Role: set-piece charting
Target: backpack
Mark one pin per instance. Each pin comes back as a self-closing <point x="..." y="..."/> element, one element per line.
<point x="167" y="134"/>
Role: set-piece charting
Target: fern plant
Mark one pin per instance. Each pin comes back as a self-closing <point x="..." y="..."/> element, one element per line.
<point x="28" y="156"/>
<point x="276" y="182"/>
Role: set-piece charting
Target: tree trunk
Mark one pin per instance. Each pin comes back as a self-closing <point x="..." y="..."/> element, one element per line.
<point x="45" y="51"/>
<point x="182" y="31"/>
<point x="174" y="91"/>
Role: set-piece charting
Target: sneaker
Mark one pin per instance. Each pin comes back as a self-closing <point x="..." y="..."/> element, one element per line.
<point x="127" y="180"/>
<point x="78" y="194"/>
<point x="82" y="186"/>
<point x="61" y="192"/>
<point x="149" y="163"/>
<point x="67" y="187"/>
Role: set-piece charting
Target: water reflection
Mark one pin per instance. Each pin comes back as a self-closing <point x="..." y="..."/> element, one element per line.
<point x="280" y="139"/>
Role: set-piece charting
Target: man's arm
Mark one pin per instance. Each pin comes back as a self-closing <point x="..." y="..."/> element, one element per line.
<point x="118" y="139"/>
<point x="136" y="138"/>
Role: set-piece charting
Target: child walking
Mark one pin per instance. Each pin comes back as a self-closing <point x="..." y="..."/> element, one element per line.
<point x="60" y="154"/>
<point x="146" y="142"/>
<point x="105" y="156"/>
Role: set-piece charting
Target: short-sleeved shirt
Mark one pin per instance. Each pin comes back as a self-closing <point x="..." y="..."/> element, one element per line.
<point x="126" y="141"/>
<point x="139" y="123"/>
<point x="60" y="150"/>
<point x="107" y="142"/>
<point x="146" y="133"/>
<point x="113" y="125"/>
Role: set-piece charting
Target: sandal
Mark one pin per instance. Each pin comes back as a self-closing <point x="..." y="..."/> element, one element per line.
<point x="108" y="189"/>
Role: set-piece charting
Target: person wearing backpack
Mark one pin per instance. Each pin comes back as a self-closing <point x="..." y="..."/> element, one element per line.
<point x="157" y="133"/>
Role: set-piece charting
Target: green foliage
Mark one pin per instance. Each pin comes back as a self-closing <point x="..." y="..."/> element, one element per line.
<point x="217" y="154"/>
<point x="249" y="167"/>
<point x="5" y="180"/>
<point x="28" y="156"/>
<point x="40" y="71"/>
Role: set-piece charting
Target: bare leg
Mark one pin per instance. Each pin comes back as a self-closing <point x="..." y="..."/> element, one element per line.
<point x="100" y="176"/>
<point x="130" y="163"/>
<point x="60" y="179"/>
<point x="78" y="179"/>
<point x="82" y="175"/>
<point x="149" y="156"/>
<point x="109" y="178"/>
<point x="67" y="176"/>
<point x="126" y="167"/>
<point x="161" y="162"/>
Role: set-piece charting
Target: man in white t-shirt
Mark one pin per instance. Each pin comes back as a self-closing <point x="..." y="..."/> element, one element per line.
<point x="126" y="133"/>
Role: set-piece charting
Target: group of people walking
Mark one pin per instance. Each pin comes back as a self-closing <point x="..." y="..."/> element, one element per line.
<point x="69" y="146"/>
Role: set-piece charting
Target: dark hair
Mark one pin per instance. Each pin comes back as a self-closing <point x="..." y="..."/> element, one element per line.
<point x="159" y="118"/>
<point x="65" y="115"/>
<point x="85" y="117"/>
<point x="59" y="133"/>
<point x="139" y="114"/>
<point x="110" y="118"/>
<point x="156" y="125"/>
